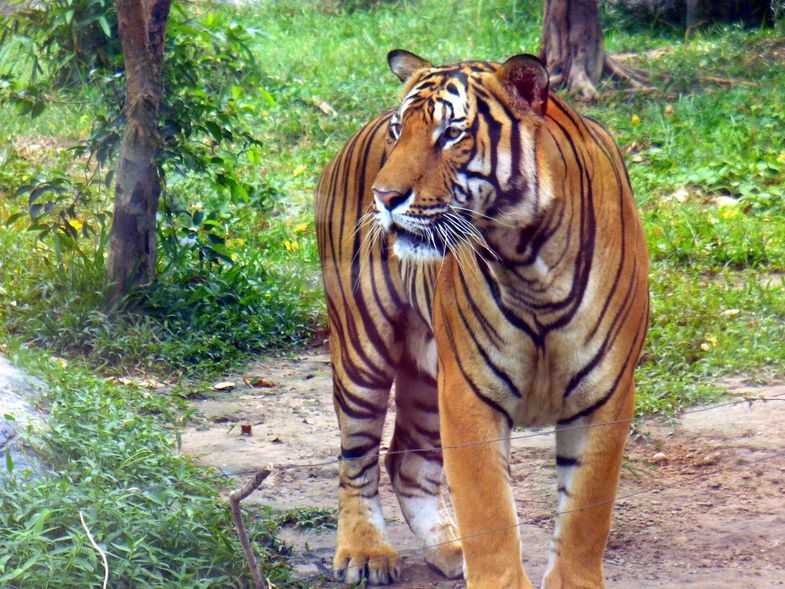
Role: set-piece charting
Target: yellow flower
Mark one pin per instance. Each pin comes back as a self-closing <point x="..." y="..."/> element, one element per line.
<point x="61" y="363"/>
<point x="636" y="120"/>
<point x="710" y="342"/>
<point x="728" y="213"/>
<point x="301" y="228"/>
<point x="290" y="245"/>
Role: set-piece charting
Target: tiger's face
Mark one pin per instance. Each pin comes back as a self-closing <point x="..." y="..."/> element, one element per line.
<point x="462" y="157"/>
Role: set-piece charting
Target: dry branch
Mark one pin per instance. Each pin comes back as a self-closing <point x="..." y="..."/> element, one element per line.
<point x="234" y="505"/>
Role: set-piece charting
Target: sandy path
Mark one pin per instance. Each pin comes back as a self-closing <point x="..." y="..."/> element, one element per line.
<point x="701" y="503"/>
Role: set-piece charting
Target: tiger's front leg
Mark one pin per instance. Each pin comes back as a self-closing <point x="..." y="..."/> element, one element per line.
<point x="414" y="464"/>
<point x="362" y="551"/>
<point x="588" y="458"/>
<point x="476" y="452"/>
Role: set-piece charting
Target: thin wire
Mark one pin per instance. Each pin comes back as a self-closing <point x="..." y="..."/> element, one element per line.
<point x="748" y="400"/>
<point x="563" y="512"/>
<point x="545" y="432"/>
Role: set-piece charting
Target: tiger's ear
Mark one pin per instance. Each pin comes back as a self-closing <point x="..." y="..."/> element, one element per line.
<point x="403" y="63"/>
<point x="526" y="80"/>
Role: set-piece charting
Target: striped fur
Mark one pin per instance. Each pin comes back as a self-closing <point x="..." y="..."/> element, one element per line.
<point x="480" y="250"/>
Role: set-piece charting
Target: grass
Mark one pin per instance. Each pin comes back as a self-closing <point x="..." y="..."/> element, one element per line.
<point x="109" y="456"/>
<point x="695" y="138"/>
<point x="706" y="157"/>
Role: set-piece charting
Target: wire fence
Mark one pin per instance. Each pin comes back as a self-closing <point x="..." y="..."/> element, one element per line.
<point x="748" y="400"/>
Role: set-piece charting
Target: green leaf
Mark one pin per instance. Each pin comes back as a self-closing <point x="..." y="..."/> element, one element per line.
<point x="40" y="520"/>
<point x="17" y="572"/>
<point x="9" y="461"/>
<point x="268" y="98"/>
<point x="43" y="188"/>
<point x="104" y="26"/>
<point x="34" y="210"/>
<point x="214" y="130"/>
<point x="22" y="189"/>
<point x="38" y="108"/>
<point x="13" y="218"/>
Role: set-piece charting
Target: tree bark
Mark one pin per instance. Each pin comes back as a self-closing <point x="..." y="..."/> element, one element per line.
<point x="132" y="237"/>
<point x="573" y="48"/>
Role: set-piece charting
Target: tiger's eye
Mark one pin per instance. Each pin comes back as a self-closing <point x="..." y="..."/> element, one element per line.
<point x="452" y="133"/>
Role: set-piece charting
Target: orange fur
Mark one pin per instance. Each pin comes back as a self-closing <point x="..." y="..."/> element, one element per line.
<point x="480" y="249"/>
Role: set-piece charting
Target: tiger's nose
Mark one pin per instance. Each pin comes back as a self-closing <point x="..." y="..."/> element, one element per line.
<point x="390" y="199"/>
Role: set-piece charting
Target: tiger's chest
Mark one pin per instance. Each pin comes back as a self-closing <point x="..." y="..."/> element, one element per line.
<point x="510" y="350"/>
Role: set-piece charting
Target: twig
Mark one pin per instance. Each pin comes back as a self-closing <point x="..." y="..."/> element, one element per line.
<point x="234" y="505"/>
<point x="98" y="549"/>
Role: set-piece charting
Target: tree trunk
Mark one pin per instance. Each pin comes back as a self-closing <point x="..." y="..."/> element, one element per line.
<point x="142" y="24"/>
<point x="573" y="48"/>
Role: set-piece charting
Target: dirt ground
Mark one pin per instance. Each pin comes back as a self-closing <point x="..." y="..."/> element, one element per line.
<point x="701" y="502"/>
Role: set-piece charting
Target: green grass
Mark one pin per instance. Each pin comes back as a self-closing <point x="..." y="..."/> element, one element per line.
<point x="111" y="455"/>
<point x="310" y="518"/>
<point x="709" y="130"/>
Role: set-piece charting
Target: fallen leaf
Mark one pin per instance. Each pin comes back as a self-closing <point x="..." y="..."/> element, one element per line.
<point x="324" y="107"/>
<point x="224" y="385"/>
<point x="258" y="382"/>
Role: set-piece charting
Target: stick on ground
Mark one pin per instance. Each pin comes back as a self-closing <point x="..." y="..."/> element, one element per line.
<point x="234" y="505"/>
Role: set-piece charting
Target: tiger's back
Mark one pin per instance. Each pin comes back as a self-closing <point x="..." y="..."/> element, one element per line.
<point x="536" y="315"/>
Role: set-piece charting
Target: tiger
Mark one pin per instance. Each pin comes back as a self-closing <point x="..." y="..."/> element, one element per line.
<point x="482" y="257"/>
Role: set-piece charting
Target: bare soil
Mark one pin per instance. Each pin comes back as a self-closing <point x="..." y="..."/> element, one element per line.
<point x="701" y="502"/>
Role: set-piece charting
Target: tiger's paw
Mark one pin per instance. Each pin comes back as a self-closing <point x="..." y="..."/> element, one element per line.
<point x="379" y="564"/>
<point x="447" y="558"/>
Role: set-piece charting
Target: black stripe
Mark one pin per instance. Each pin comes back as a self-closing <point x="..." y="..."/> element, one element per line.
<point x="567" y="461"/>
<point x="473" y="386"/>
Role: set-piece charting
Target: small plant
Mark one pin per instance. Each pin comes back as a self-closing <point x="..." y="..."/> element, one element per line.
<point x="310" y="518"/>
<point x="113" y="459"/>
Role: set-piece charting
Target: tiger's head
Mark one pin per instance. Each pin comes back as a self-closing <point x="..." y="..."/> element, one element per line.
<point x="462" y="168"/>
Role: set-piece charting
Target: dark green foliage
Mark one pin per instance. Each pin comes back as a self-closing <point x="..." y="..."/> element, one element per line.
<point x="210" y="82"/>
<point x="112" y="456"/>
<point x="212" y="92"/>
<point x="56" y="44"/>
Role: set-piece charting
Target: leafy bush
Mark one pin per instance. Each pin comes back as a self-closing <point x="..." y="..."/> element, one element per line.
<point x="211" y="97"/>
<point x="113" y="459"/>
